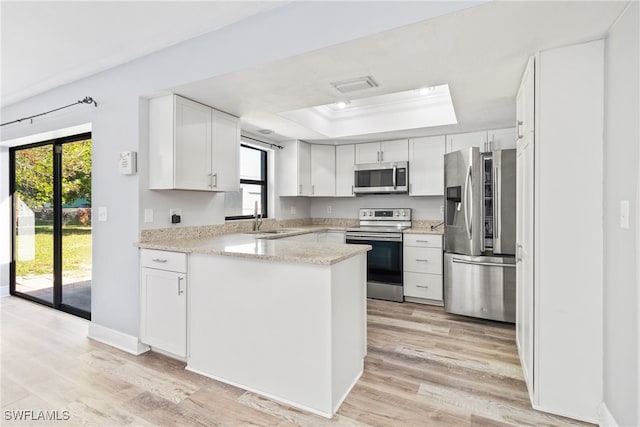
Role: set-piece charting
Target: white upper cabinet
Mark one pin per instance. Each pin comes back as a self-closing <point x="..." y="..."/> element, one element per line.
<point x="323" y="170"/>
<point x="294" y="169"/>
<point x="192" y="146"/>
<point x="501" y="139"/>
<point x="492" y="140"/>
<point x="385" y="151"/>
<point x="461" y="141"/>
<point x="226" y="148"/>
<point x="426" y="166"/>
<point x="345" y="159"/>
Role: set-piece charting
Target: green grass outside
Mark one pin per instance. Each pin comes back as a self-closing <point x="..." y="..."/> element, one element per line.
<point x="76" y="251"/>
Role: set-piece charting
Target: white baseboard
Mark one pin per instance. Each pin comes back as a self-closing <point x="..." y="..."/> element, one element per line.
<point x="606" y="418"/>
<point x="4" y="291"/>
<point x="116" y="339"/>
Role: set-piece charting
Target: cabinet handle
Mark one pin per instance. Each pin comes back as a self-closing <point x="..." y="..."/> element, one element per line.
<point x="378" y="155"/>
<point x="423" y="260"/>
<point x="210" y="180"/>
<point x="180" y="279"/>
<point x="518" y="124"/>
<point x="422" y="241"/>
<point x="215" y="175"/>
<point x="382" y="156"/>
<point x="352" y="192"/>
<point x="313" y="189"/>
<point x="159" y="260"/>
<point x="422" y="286"/>
<point x="300" y="192"/>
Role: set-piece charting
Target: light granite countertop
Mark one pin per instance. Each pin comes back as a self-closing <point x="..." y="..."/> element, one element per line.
<point x="265" y="246"/>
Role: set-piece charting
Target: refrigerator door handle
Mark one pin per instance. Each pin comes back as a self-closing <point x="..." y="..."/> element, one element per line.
<point x="497" y="210"/>
<point x="486" y="264"/>
<point x="468" y="207"/>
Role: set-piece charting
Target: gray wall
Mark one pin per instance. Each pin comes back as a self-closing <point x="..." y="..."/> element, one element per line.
<point x="347" y="207"/>
<point x="119" y="124"/>
<point x="621" y="180"/>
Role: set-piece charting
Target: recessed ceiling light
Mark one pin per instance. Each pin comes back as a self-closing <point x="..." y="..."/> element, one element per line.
<point x="343" y="104"/>
<point x="426" y="90"/>
<point x="266" y="131"/>
<point x="352" y="85"/>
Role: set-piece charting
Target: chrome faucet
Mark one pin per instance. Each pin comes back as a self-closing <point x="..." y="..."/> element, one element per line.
<point x="257" y="218"/>
<point x="257" y="222"/>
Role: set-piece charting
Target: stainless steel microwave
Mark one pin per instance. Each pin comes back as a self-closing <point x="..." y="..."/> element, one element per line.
<point x="381" y="178"/>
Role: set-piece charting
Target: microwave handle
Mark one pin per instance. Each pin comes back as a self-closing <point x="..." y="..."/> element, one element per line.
<point x="394" y="177"/>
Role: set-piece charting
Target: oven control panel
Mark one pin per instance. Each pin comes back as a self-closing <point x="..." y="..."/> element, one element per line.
<point x="371" y="214"/>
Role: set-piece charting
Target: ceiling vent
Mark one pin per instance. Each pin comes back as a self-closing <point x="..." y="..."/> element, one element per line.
<point x="352" y="85"/>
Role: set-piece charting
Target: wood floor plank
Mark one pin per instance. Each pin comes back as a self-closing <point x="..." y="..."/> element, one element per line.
<point x="424" y="367"/>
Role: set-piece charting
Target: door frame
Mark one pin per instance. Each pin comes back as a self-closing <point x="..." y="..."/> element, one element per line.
<point x="57" y="224"/>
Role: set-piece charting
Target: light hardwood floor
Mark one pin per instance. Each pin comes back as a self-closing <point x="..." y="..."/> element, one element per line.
<point x="424" y="368"/>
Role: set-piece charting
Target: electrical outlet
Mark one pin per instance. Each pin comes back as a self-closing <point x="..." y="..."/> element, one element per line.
<point x="102" y="213"/>
<point x="148" y="215"/>
<point x="624" y="214"/>
<point x="175" y="216"/>
<point x="329" y="209"/>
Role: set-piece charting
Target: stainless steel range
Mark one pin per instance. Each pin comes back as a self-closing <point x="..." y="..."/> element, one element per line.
<point x="382" y="229"/>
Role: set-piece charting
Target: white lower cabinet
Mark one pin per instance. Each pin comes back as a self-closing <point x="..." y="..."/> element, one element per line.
<point x="163" y="301"/>
<point x="422" y="275"/>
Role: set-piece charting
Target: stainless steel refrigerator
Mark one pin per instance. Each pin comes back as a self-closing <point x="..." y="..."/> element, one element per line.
<point x="479" y="234"/>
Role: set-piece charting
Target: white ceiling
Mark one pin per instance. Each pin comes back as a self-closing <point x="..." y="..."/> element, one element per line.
<point x="480" y="52"/>
<point x="46" y="44"/>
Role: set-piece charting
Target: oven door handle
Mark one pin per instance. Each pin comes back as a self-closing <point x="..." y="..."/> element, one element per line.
<point x="395" y="183"/>
<point x="362" y="237"/>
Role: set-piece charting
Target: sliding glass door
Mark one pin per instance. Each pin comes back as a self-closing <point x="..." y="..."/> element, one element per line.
<point x="51" y="188"/>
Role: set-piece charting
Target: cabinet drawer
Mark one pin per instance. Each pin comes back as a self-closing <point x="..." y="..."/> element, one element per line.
<point x="423" y="260"/>
<point x="423" y="240"/>
<point x="422" y="285"/>
<point x="164" y="260"/>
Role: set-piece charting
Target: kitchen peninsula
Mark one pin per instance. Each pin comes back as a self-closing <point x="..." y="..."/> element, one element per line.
<point x="285" y="319"/>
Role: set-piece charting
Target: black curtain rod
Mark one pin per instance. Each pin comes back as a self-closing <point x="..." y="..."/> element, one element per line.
<point x="86" y="100"/>
<point x="263" y="142"/>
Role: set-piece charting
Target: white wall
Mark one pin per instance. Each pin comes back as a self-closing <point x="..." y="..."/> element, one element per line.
<point x="347" y="207"/>
<point x="119" y="124"/>
<point x="621" y="246"/>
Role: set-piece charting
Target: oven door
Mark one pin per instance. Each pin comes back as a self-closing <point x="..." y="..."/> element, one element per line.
<point x="384" y="265"/>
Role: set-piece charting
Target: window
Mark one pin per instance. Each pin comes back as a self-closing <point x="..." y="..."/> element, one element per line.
<point x="252" y="196"/>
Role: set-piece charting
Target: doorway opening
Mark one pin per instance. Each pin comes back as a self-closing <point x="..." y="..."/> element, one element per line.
<point x="51" y="253"/>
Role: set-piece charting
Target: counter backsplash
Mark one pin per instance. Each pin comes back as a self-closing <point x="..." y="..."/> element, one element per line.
<point x="203" y="231"/>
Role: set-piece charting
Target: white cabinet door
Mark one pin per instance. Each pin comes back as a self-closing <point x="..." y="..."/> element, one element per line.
<point x="394" y="151"/>
<point x="345" y="159"/>
<point x="525" y="103"/>
<point x="501" y="139"/>
<point x="426" y="166"/>
<point x="368" y="153"/>
<point x="323" y="170"/>
<point x="304" y="169"/>
<point x="461" y="141"/>
<point x="225" y="171"/>
<point x="164" y="310"/>
<point x="294" y="169"/>
<point x="192" y="150"/>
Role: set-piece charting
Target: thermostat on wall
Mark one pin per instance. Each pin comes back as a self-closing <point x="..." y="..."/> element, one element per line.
<point x="128" y="162"/>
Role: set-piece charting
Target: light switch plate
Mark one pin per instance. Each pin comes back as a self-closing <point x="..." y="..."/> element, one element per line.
<point x="102" y="213"/>
<point x="148" y="215"/>
<point x="624" y="214"/>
